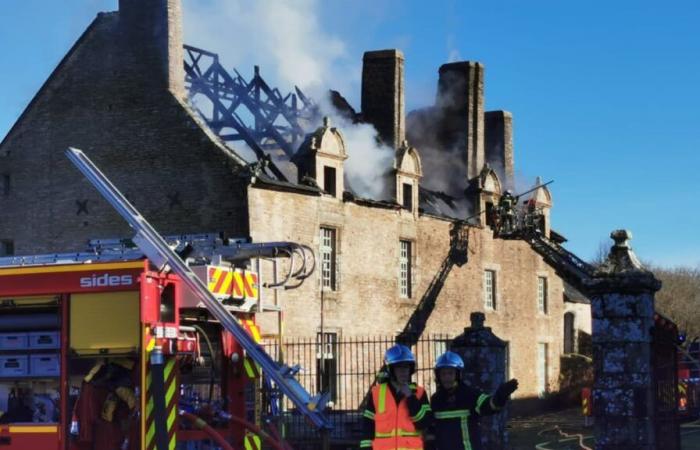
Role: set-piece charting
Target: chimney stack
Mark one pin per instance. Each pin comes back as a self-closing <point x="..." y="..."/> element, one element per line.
<point x="499" y="145"/>
<point x="383" y="94"/>
<point x="154" y="31"/>
<point x="461" y="99"/>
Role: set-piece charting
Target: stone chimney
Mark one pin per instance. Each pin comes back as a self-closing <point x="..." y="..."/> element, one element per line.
<point x="461" y="101"/>
<point x="383" y="94"/>
<point x="153" y="30"/>
<point x="499" y="144"/>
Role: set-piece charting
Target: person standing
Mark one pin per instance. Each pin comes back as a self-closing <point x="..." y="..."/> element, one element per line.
<point x="457" y="407"/>
<point x="397" y="410"/>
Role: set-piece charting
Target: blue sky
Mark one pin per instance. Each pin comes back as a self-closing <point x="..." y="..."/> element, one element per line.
<point x="604" y="94"/>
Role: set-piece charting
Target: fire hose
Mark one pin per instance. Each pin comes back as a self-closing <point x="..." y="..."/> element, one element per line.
<point x="202" y="425"/>
<point x="216" y="437"/>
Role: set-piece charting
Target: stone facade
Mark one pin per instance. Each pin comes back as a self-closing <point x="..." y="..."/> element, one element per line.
<point x="105" y="99"/>
<point x="123" y="104"/>
<point x="367" y="299"/>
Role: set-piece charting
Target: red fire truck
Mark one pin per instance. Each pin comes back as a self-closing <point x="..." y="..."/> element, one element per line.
<point x="142" y="344"/>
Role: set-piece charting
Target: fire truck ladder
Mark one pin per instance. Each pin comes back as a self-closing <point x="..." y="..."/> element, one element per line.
<point x="572" y="268"/>
<point x="163" y="257"/>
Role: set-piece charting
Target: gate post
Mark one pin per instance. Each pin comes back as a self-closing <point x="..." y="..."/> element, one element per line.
<point x="622" y="309"/>
<point x="484" y="368"/>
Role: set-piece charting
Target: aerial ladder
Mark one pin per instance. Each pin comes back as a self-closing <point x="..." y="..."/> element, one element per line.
<point x="162" y="256"/>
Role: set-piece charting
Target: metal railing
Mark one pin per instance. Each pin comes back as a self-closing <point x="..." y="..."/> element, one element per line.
<point x="346" y="367"/>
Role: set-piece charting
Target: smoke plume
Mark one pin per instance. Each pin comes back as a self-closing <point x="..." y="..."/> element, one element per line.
<point x="287" y="40"/>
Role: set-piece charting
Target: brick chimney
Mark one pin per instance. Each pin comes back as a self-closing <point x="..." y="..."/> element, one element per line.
<point x="383" y="94"/>
<point x="461" y="101"/>
<point x="153" y="29"/>
<point x="499" y="145"/>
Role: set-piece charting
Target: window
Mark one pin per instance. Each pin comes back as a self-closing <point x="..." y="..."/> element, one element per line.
<point x="5" y="185"/>
<point x="7" y="247"/>
<point x="542" y="295"/>
<point x="490" y="215"/>
<point x="490" y="289"/>
<point x="405" y="269"/>
<point x="329" y="180"/>
<point x="569" y="346"/>
<point x="327" y="364"/>
<point x="542" y="369"/>
<point x="408" y="196"/>
<point x="328" y="258"/>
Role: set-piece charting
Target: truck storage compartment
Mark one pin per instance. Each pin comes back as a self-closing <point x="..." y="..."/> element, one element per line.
<point x="14" y="365"/>
<point x="14" y="341"/>
<point x="44" y="365"/>
<point x="44" y="340"/>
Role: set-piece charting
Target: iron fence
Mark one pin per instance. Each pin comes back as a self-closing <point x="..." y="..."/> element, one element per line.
<point x="346" y="368"/>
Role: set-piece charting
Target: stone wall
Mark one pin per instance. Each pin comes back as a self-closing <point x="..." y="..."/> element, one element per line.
<point x="106" y="98"/>
<point x="367" y="301"/>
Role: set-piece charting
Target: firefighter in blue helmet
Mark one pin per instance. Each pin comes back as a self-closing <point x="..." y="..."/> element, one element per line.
<point x="397" y="410"/>
<point x="457" y="407"/>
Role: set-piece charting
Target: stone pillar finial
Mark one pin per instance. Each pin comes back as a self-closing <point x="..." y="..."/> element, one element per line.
<point x="477" y="320"/>
<point x="326" y="122"/>
<point x="621" y="238"/>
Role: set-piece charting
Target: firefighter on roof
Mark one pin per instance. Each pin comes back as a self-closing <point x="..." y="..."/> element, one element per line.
<point x="397" y="410"/>
<point x="457" y="407"/>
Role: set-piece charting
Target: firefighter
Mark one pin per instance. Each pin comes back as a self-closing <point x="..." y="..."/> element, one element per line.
<point x="506" y="209"/>
<point x="457" y="407"/>
<point x="397" y="410"/>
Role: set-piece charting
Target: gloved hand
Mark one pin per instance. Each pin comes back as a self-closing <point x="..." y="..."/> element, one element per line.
<point x="503" y="392"/>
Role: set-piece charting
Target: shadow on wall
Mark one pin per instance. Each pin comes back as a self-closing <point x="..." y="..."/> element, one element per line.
<point x="576" y="373"/>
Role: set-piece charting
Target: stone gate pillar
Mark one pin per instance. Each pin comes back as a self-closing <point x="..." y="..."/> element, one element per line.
<point x="622" y="306"/>
<point x="484" y="368"/>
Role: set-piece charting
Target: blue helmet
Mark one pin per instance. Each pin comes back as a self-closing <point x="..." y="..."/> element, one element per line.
<point x="399" y="354"/>
<point x="449" y="359"/>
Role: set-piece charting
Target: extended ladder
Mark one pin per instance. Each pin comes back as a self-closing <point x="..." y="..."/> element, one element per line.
<point x="163" y="257"/>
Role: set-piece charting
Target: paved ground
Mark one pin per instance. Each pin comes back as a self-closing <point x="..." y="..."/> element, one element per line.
<point x="565" y="430"/>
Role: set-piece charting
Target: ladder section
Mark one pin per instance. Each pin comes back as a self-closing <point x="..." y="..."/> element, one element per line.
<point x="161" y="255"/>
<point x="571" y="267"/>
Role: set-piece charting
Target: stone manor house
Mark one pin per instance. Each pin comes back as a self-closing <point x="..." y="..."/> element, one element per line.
<point x="120" y="95"/>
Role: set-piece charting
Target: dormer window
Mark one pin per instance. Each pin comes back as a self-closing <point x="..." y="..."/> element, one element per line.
<point x="329" y="183"/>
<point x="408" y="196"/>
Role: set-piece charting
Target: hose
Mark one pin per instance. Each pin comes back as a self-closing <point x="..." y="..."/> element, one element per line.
<point x="202" y="425"/>
<point x="257" y="430"/>
<point x="212" y="379"/>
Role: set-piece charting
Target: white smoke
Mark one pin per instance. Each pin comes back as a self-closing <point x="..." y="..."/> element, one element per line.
<point x="287" y="40"/>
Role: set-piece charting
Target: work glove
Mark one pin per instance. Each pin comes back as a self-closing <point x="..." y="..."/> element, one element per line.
<point x="503" y="392"/>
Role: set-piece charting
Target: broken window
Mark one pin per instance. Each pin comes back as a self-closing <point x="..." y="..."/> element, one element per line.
<point x="490" y="215"/>
<point x="405" y="269"/>
<point x="569" y="333"/>
<point x="328" y="252"/>
<point x="408" y="196"/>
<point x="542" y="295"/>
<point x="490" y="289"/>
<point x="7" y="247"/>
<point x="329" y="180"/>
<point x="327" y="364"/>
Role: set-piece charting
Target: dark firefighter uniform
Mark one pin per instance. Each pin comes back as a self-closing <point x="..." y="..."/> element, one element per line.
<point x="456" y="412"/>
<point x="393" y="421"/>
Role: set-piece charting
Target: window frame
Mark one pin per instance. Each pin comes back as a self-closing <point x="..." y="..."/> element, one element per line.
<point x="329" y="256"/>
<point x="542" y="294"/>
<point x="405" y="268"/>
<point x="490" y="301"/>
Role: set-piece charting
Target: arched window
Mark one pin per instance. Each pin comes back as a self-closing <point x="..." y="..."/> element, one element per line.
<point x="569" y="332"/>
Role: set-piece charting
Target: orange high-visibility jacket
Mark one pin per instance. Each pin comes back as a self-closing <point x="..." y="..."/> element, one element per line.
<point x="393" y="425"/>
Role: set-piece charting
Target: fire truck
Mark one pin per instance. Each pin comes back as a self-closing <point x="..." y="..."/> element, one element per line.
<point x="144" y="343"/>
